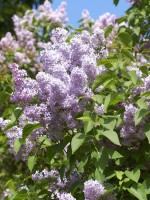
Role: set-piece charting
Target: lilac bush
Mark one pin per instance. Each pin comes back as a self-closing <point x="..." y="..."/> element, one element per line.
<point x="23" y="47"/>
<point x="82" y="123"/>
<point x="67" y="77"/>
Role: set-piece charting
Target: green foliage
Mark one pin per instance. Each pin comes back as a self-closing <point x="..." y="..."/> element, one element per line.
<point x="98" y="151"/>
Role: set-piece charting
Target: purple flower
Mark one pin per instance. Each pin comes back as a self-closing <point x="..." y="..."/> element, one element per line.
<point x="93" y="190"/>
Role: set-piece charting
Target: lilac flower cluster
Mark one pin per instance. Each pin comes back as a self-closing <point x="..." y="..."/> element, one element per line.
<point x="23" y="48"/>
<point x="105" y="20"/>
<point x="3" y="123"/>
<point x="68" y="75"/>
<point x="23" y="187"/>
<point x="66" y="196"/>
<point x="45" y="174"/>
<point x="58" y="187"/>
<point x="130" y="133"/>
<point x="146" y="80"/>
<point x="86" y="18"/>
<point x="7" y="193"/>
<point x="26" y="88"/>
<point x="102" y="22"/>
<point x="16" y="133"/>
<point x="58" y="15"/>
<point x="142" y="88"/>
<point x="93" y="190"/>
<point x="99" y="109"/>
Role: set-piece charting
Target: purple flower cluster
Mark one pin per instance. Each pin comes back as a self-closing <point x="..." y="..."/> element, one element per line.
<point x="45" y="174"/>
<point x="66" y="196"/>
<point x="93" y="190"/>
<point x="58" y="187"/>
<point x="99" y="109"/>
<point x="23" y="48"/>
<point x="58" y="15"/>
<point x="68" y="75"/>
<point x="130" y="133"/>
<point x="102" y="22"/>
<point x="26" y="88"/>
<point x="142" y="88"/>
<point x="105" y="20"/>
<point x="3" y="123"/>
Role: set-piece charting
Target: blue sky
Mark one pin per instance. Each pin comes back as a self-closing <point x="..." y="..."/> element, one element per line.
<point x="95" y="7"/>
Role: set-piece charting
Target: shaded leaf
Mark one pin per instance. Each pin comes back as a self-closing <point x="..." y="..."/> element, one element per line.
<point x="31" y="162"/>
<point x="112" y="136"/>
<point x="133" y="175"/>
<point x="125" y="38"/>
<point x="77" y="141"/>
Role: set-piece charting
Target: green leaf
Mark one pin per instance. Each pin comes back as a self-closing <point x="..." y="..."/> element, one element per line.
<point x="146" y="185"/>
<point x="17" y="112"/>
<point x="85" y="119"/>
<point x="17" y="145"/>
<point x="127" y="54"/>
<point x="114" y="154"/>
<point x="98" y="98"/>
<point x="110" y="84"/>
<point x="137" y="30"/>
<point x="133" y="175"/>
<point x="99" y="176"/>
<point x="107" y="102"/>
<point x="88" y="126"/>
<point x="22" y="195"/>
<point x="147" y="93"/>
<point x="109" y="123"/>
<point x="125" y="38"/>
<point x="77" y="141"/>
<point x="4" y="97"/>
<point x="106" y="61"/>
<point x="142" y="103"/>
<point x="140" y="114"/>
<point x="28" y="129"/>
<point x="100" y="159"/>
<point x="31" y="162"/>
<point x="83" y="163"/>
<point x="133" y="77"/>
<point x="100" y="80"/>
<point x="112" y="136"/>
<point x="116" y="2"/>
<point x="147" y="131"/>
<point x="139" y="194"/>
<point x="117" y="97"/>
<point x="119" y="174"/>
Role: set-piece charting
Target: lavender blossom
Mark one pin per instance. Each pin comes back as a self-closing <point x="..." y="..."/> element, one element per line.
<point x="99" y="109"/>
<point x="130" y="133"/>
<point x="66" y="196"/>
<point x="105" y="20"/>
<point x="3" y="123"/>
<point x="45" y="174"/>
<point x="93" y="190"/>
<point x="55" y="93"/>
